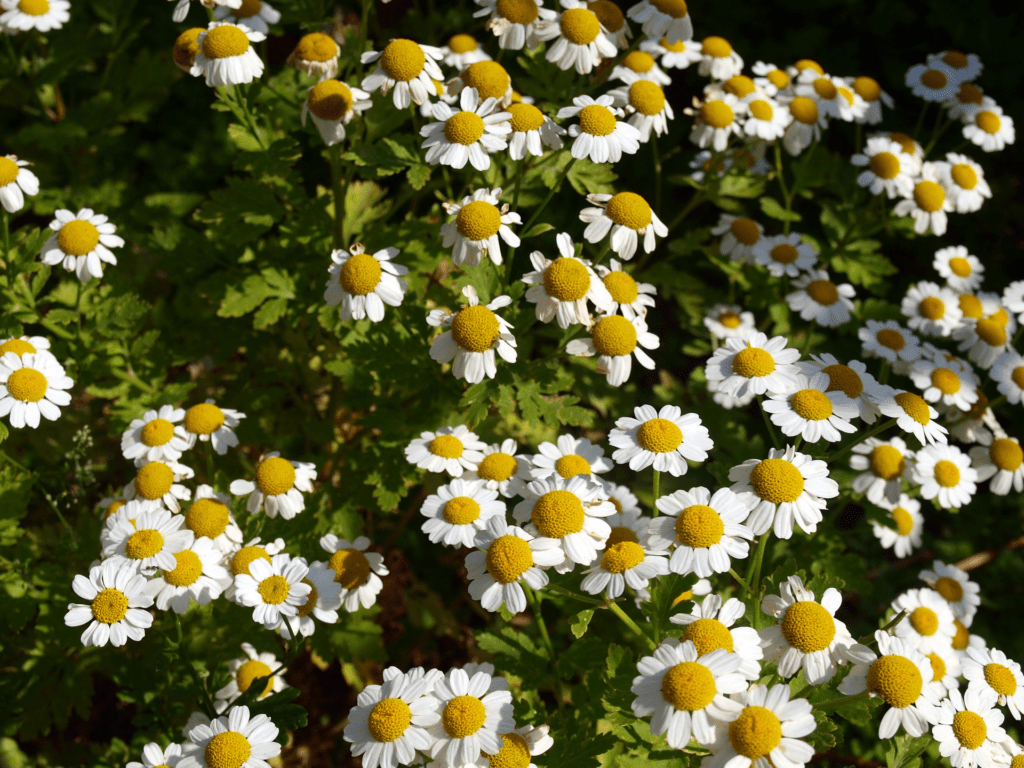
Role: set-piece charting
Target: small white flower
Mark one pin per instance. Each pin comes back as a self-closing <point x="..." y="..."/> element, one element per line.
<point x="679" y="55"/>
<point x="968" y="729"/>
<point x="927" y="203"/>
<point x="273" y="589"/>
<point x="755" y="364"/>
<point x="765" y="118"/>
<point x="225" y="738"/>
<point x="817" y="298"/>
<point x="476" y="227"/>
<point x="600" y="134"/>
<point x="627" y="216"/>
<point x="964" y="180"/>
<point x="808" y="122"/>
<point x="727" y="321"/>
<point x="509" y="556"/>
<point x="615" y="338"/>
<point x="890" y="341"/>
<point x="739" y="236"/>
<point x="874" y="98"/>
<point x="449" y="449"/>
<point x="666" y="439"/>
<point x="642" y="65"/>
<point x="702" y="531"/>
<point x="931" y="309"/>
<point x="256" y="15"/>
<point x="623" y="564"/>
<point x="883" y="465"/>
<point x="155" y="437"/>
<point x="463" y="50"/>
<point x="988" y="127"/>
<point x="332" y="104"/>
<point x="155" y="757"/>
<point x="770" y="79"/>
<point x="720" y="61"/>
<point x="956" y="587"/>
<point x="356" y="570"/>
<point x="226" y="55"/>
<point x="668" y="19"/>
<point x="945" y="474"/>
<point x="905" y="513"/>
<point x="197" y="575"/>
<point x="501" y="469"/>
<point x="115" y="591"/>
<point x="472" y="715"/>
<point x="532" y="130"/>
<point x="631" y="297"/>
<point x="561" y="288"/>
<point x="470" y="135"/>
<point x="475" y="334"/>
<point x="812" y="410"/>
<point x="406" y="66"/>
<point x="785" y="254"/>
<point x="710" y="626"/>
<point x="156" y="485"/>
<point x="986" y="338"/>
<point x="715" y="122"/>
<point x="913" y="415"/>
<point x="41" y="15"/>
<point x="515" y="23"/>
<point x="246" y="669"/>
<point x="887" y="168"/>
<point x="928" y="623"/>
<point x="1008" y="374"/>
<point x="1002" y="462"/>
<point x="16" y="180"/>
<point x="568" y="457"/>
<point x="990" y="670"/>
<point x="151" y="542"/>
<point x="763" y="726"/>
<point x="316" y="54"/>
<point x="238" y="562"/>
<point x="277" y="487"/>
<point x="322" y="604"/>
<point x="934" y="81"/>
<point x="458" y="511"/>
<point x="947" y="380"/>
<point x="580" y="39"/>
<point x="32" y="385"/>
<point x="646" y="105"/>
<point x="363" y="283"/>
<point x="833" y="95"/>
<point x="81" y="242"/>
<point x="965" y="67"/>
<point x="208" y="422"/>
<point x="946" y="671"/>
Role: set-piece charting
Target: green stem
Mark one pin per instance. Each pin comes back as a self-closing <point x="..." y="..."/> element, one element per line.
<point x="631" y="624"/>
<point x="768" y="423"/>
<point x="657" y="173"/>
<point x="569" y="593"/>
<point x="206" y="702"/>
<point x="739" y="579"/>
<point x="781" y="177"/>
<point x="870" y="639"/>
<point x="867" y="435"/>
<point x="920" y="120"/>
<point x="338" y="193"/>
<point x="883" y="373"/>
<point x="551" y="193"/>
<point x="7" y="235"/>
<point x="534" y="599"/>
<point x="656" y="491"/>
<point x="754" y="579"/>
<point x="997" y="402"/>
<point x="250" y="116"/>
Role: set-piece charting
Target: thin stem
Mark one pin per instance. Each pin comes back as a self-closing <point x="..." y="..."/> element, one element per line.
<point x="534" y="599"/>
<point x="870" y="639"/>
<point x="551" y="193"/>
<point x="739" y="579"/>
<point x="997" y="402"/>
<point x="338" y="193"/>
<point x="656" y="491"/>
<point x="755" y="577"/>
<point x="920" y="120"/>
<point x="883" y="374"/>
<point x="869" y="434"/>
<point x="206" y="702"/>
<point x="7" y="234"/>
<point x="781" y="177"/>
<point x="569" y="593"/>
<point x="768" y="423"/>
<point x="657" y="173"/>
<point x="631" y="624"/>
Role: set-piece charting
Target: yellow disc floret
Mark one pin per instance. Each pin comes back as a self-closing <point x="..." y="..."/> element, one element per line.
<point x="778" y="78"/>
<point x="867" y="88"/>
<point x="360" y="274"/>
<point x="225" y="41"/>
<point x="659" y="435"/>
<point x="608" y="13"/>
<point x="745" y="230"/>
<point x="808" y="626"/>
<point x="753" y="362"/>
<point x="475" y="329"/>
<point x="566" y="279"/>
<point x="115" y="505"/>
<point x="446" y="446"/>
<point x="154" y="480"/>
<point x="514" y="753"/>
<point x="823" y="291"/>
<point x="784" y="253"/>
<point x="204" y="419"/>
<point x="628" y="209"/>
<point x="914" y="406"/>
<point x="739" y="86"/>
<point x="251" y="670"/>
<point x="688" y="686"/>
<point x="464" y="128"/>
<point x="463" y="716"/>
<point x="622" y="287"/>
<point x="1001" y="679"/>
<point x="947" y="474"/>
<point x="929" y="196"/>
<point x="462" y="510"/>
<point x="490" y="79"/>
<point x="708" y="635"/>
<point x="596" y="120"/>
<point x="934" y="79"/>
<point x="316" y="46"/>
<point x="991" y="331"/>
<point x="275" y="476"/>
<point x="462" y="43"/>
<point x="247" y="9"/>
<point x="885" y="165"/>
<point x="274" y="589"/>
<point x="640" y="62"/>
<point x="17" y="346"/>
<point x="508" y="558"/>
<point x="572" y="465"/>
<point x="730" y="319"/>
<point x="825" y="88"/>
<point x="896" y="679"/>
<point x="761" y="109"/>
<point x="777" y="481"/>
<point x="924" y="621"/>
<point x="351" y="568"/>
<point x="811" y="404"/>
<point x="717" y="114"/>
<point x="244" y="558"/>
<point x="756" y="732"/>
<point x="614" y="336"/>
<point x="969" y="729"/>
<point x="402" y="60"/>
<point x="186" y="48"/>
<point x="804" y="110"/>
<point x="887" y="462"/>
<point x="109" y="606"/>
<point x="525" y="117"/>
<point x="716" y="47"/>
<point x="904" y="521"/>
<point x="946" y="381"/>
<point x="621" y="533"/>
<point x="1006" y="454"/>
<point x="187" y="570"/>
<point x="78" y="238"/>
<point x="842" y="378"/>
<point x="307" y="608"/>
<point x="157" y="432"/>
<point x="965" y="177"/>
<point x="620" y="557"/>
<point x="938" y="666"/>
<point x="27" y="385"/>
<point x="989" y="122"/>
<point x="389" y="719"/>
<point x="330" y="100"/>
<point x="949" y="589"/>
<point x="558" y="513"/>
<point x="478" y="220"/>
<point x="579" y="26"/>
<point x="699" y="526"/>
<point x="34" y="7"/>
<point x="517" y="11"/>
<point x="646" y="97"/>
<point x="497" y="466"/>
<point x="932" y="308"/>
<point x="674" y="8"/>
<point x="229" y="749"/>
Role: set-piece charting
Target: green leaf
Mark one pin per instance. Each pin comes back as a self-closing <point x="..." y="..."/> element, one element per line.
<point x="240" y="300"/>
<point x="363" y="206"/>
<point x="772" y="208"/>
<point x="3" y="432"/>
<point x="537" y="229"/>
<point x="735" y="185"/>
<point x="578" y="626"/>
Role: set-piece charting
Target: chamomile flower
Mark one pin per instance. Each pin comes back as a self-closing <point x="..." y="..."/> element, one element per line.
<point x="985" y="339"/>
<point x="715" y="122"/>
<point x="240" y="560"/>
<point x="684" y="691"/>
<point x="666" y="439"/>
<point x="256" y="15"/>
<point x="627" y="216"/>
<point x="785" y="254"/>
<point x="227" y="739"/>
<point x="703" y="531"/>
<point x="962" y="271"/>
<point x="927" y="204"/>
<point x="406" y="66"/>
<point x="477" y="225"/>
<point x="450" y="449"/>
<point x="965" y="103"/>
<point x="41" y="15"/>
<point x="475" y="333"/>
<point x="570" y="512"/>
<point x="679" y="55"/>
<point x="156" y="436"/>
<point x="931" y="309"/>
<point x="990" y="670"/>
<point x="568" y="457"/>
<point x="615" y="339"/>
<point x="887" y="168"/>
<point x="622" y="564"/>
<point x="508" y="557"/>
<point x="763" y="727"/>
<point x="988" y="128"/>
<point x="208" y="422"/>
<point x="322" y="604"/>
<point x="646" y="105"/>
<point x="562" y="288"/>
<point x="116" y="594"/>
<point x="32" y="384"/>
<point x="579" y="39"/>
<point x="964" y="66"/>
<point x="155" y="757"/>
<point x="946" y="671"/>
<point x="226" y="55"/>
<point x="515" y="22"/>
<point x="1008" y="374"/>
<point x="532" y="130"/>
<point x="786" y="488"/>
<point x="363" y="283"/>
<point x="720" y="60"/>
<point x="461" y="51"/>
<point x="766" y="119"/>
<point x="900" y="676"/>
<point x="277" y="487"/>
<point x="964" y="181"/>
<point x="668" y="19"/>
<point x="246" y="669"/>
<point x="197" y="575"/>
<point x="26" y="345"/>
<point x="976" y="425"/>
<point x="458" y="511"/>
<point x="472" y="715"/>
<point x="156" y="485"/>
<point x="968" y="729"/>
<point x="356" y="570"/>
<point x="210" y="516"/>
<point x="807" y="636"/>
<point x="739" y="236"/>
<point x="710" y="626"/>
<point x="909" y="521"/>
<point x="890" y="341"/>
<point x="470" y="135"/>
<point x="832" y="95"/>
<point x="600" y="134"/>
<point x="808" y="122"/>
<point x="913" y="415"/>
<point x="770" y="79"/>
<point x="874" y="98"/>
<point x="332" y="104"/>
<point x="613" y="21"/>
<point x="273" y="589"/>
<point x="929" y="620"/>
<point x="951" y="382"/>
<point x="819" y="299"/>
<point x="934" y="81"/>
<point x="728" y="321"/>
<point x="630" y="297"/>
<point x="389" y="722"/>
<point x="755" y="364"/>
<point x="316" y="54"/>
<point x="641" y="65"/>
<point x="501" y="470"/>
<point x="81" y="243"/>
<point x="883" y="465"/>
<point x="956" y="587"/>
<point x="1002" y="462"/>
<point x="810" y="410"/>
<point x="16" y="181"/>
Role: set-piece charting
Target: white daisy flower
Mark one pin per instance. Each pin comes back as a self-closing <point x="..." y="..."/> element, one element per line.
<point x="226" y="739"/>
<point x="786" y="488"/>
<point x="728" y="321"/>
<point x="874" y="98"/>
<point x="928" y="203"/>
<point x="520" y="745"/>
<point x="931" y="309"/>
<point x="720" y="60"/>
<point x="580" y="39"/>
<point x="913" y="415"/>
<point x="769" y="78"/>
<point x="515" y="22"/>
<point x="156" y="485"/>
<point x="561" y="288"/>
<point x="16" y="180"/>
<point x="666" y="439"/>
<point x="568" y="457"/>
<point x="532" y="130"/>
<point x="26" y="345"/>
<point x="406" y="66"/>
<point x="646" y="105"/>
<point x="907" y="143"/>
<point x="909" y="521"/>
<point x="323" y="603"/>
<point x="461" y="51"/>
<point x="887" y="168"/>
<point x="975" y="425"/>
<point x="883" y="465"/>
<point x="715" y="122"/>
<point x="641" y="65"/>
<point x="614" y="338"/>
<point x="945" y="474"/>
<point x="702" y="531"/>
<point x="115" y="591"/>
<point x="363" y="283"/>
<point x="600" y="134"/>
<point x="950" y="382"/>
<point x="965" y="103"/>
<point x="627" y="216"/>
<point x="197" y="575"/>
<point x="476" y="227"/>
<point x="509" y="556"/>
<point x="501" y="469"/>
<point x="622" y="564"/>
<point x="832" y="95"/>
<point x="471" y="135"/>
<point x="613" y="22"/>
<point x="990" y="670"/>
<point x="631" y="297"/>
<point x="807" y="636"/>
<point x="475" y="333"/>
<point x="32" y="385"/>
<point x="208" y="422"/>
<point x="989" y="128"/>
<point x="389" y="722"/>
<point x="472" y="715"/>
<point x="449" y="449"/>
<point x="763" y="727"/>
<point x="964" y="180"/>
<point x="900" y="676"/>
<point x="766" y="119"/>
<point x="458" y="511"/>
<point x="934" y="81"/>
<point x="739" y="236"/>
<point x="679" y="55"/>
<point x="278" y="486"/>
<point x="946" y="671"/>
<point x="685" y="692"/>
<point x="256" y="15"/>
<point x="962" y="271"/>
<point x="710" y="626"/>
<point x="210" y="516"/>
<point x="332" y="104"/>
<point x="226" y="55"/>
<point x="890" y="341"/>
<point x="821" y="300"/>
<point x="668" y="19"/>
<point x="246" y="669"/>
<point x="238" y="562"/>
<point x="155" y="757"/>
<point x="811" y="410"/>
<point x="968" y="729"/>
<point x="316" y="54"/>
<point x="356" y="570"/>
<point x="955" y="586"/>
<point x="964" y="66"/>
<point x="151" y="542"/>
<point x="273" y="589"/>
<point x="985" y="339"/>
<point x="42" y="15"/>
<point x="808" y="122"/>
<point x="1008" y="374"/>
<point x="81" y="243"/>
<point x="785" y="254"/>
<point x="1002" y="462"/>
<point x="755" y="364"/>
<point x="156" y="437"/>
<point x="929" y="621"/>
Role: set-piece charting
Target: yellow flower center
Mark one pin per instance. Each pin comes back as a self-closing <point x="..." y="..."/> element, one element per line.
<point x="275" y="476"/>
<point x="867" y="88"/>
<point x="640" y="62"/>
<point x="970" y="305"/>
<point x="932" y="308"/>
<point x="950" y="589"/>
<point x="906" y="142"/>
<point x="566" y="280"/>
<point x="154" y="480"/>
<point x="274" y="589"/>
<point x="717" y="114"/>
<point x="475" y="329"/>
<point x="622" y="287"/>
<point x="27" y="385"/>
<point x="904" y="521"/>
<point x="497" y="466"/>
<point x="614" y="336"/>
<point x="389" y="719"/>
<point x="525" y="117"/>
<point x="77" y="238"/>
<point x="579" y="26"/>
<point x="157" y="432"/>
<point x="938" y="666"/>
<point x="310" y="604"/>
<point x="1017" y="376"/>
<point x="699" y="526"/>
<point x="446" y="446"/>
<point x="628" y="209"/>
<point x="914" y="406"/>
<point x="464" y="128"/>
<point x="187" y="570"/>
<point x="823" y="291"/>
<point x="885" y="165"/>
<point x="784" y="253"/>
<point x="515" y="753"/>
<point x="962" y="638"/>
<point x="674" y="8"/>
<point x="729" y="319"/>
<point x="965" y="178"/>
<point x="224" y="42"/>
<point x="360" y="274"/>
<point x="659" y="436"/>
<point x="677" y="47"/>
<point x="761" y="109"/>
<point x="621" y="533"/>
<point x="1006" y="454"/>
<point x="924" y="621"/>
<point x="248" y="9"/>
<point x="777" y="481"/>
<point x="558" y="513"/>
<point x="778" y="78"/>
<point x="929" y="196"/>
<point x="755" y="733"/>
<point x="462" y="43"/>
<point x="204" y="419"/>
<point x="646" y="97"/>
<point x="892" y="339"/>
<point x="1001" y="679"/>
<point x="810" y="404"/>
<point x="608" y="13"/>
<point x="946" y="381"/>
<point x="969" y="94"/>
<point x="745" y="230"/>
<point x="969" y="729"/>
<point x="251" y="670"/>
<point x="17" y="346"/>
<point x="595" y="119"/>
<point x="991" y="332"/>
<point x="753" y="362"/>
<point x="955" y="59"/>
<point x="331" y="100"/>
<point x="34" y="7"/>
<point x="351" y="568"/>
<point x="896" y="679"/>
<point x="708" y="635"/>
<point x="109" y="606"/>
<point x="462" y="510"/>
<point x="227" y="750"/>
<point x="402" y="60"/>
<point x="714" y="46"/>
<point x="958" y="265"/>
<point x="688" y="686"/>
<point x="508" y="558"/>
<point x="934" y="79"/>
<point x="1017" y="762"/>
<point x="886" y="462"/>
<point x="316" y="46"/>
<point x="804" y="110"/>
<point x="8" y="174"/>
<point x="947" y="474"/>
<point x="620" y="557"/>
<point x="478" y="220"/>
<point x="244" y="558"/>
<point x="803" y="64"/>
<point x="825" y="88"/>
<point x="463" y="716"/>
<point x="808" y="627"/>
<point x="114" y="506"/>
<point x="572" y="465"/>
<point x="739" y="86"/>
<point x="517" y="11"/>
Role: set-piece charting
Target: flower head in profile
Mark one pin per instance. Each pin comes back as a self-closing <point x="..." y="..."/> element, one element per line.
<point x="532" y="130"/>
<point x="1001" y="462"/>
<point x="616" y="340"/>
<point x="629" y="296"/>
<point x="16" y="181"/>
<point x="716" y="121"/>
<point x="568" y="457"/>
<point x="226" y="55"/>
<point x="81" y="243"/>
<point x="356" y="570"/>
<point x="332" y="104"/>
<point x="472" y="336"/>
<point x="668" y="19"/>
<point x="955" y="585"/>
<point x="988" y="670"/>
<point x="277" y="487"/>
<point x="906" y="516"/>
<point x="116" y="593"/>
<point x="256" y="15"/>
<point x="316" y="54"/>
<point x="883" y="465"/>
<point x="710" y="626"/>
<point x="197" y="576"/>
<point x="561" y="288"/>
<point x="207" y="421"/>
<point x="245" y="670"/>
<point x="626" y="217"/>
<point x="913" y="415"/>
